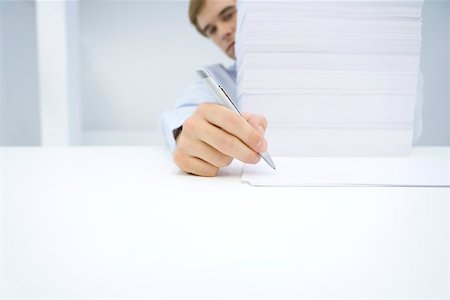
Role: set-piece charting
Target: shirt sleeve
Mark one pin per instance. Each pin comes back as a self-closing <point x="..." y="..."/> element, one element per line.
<point x="185" y="106"/>
<point x="418" y="126"/>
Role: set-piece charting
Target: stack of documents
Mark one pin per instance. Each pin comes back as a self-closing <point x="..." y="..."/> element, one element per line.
<point x="333" y="78"/>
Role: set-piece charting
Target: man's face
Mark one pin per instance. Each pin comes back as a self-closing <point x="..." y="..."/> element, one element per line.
<point x="218" y="21"/>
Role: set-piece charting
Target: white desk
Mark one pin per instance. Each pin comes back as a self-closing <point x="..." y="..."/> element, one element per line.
<point x="123" y="222"/>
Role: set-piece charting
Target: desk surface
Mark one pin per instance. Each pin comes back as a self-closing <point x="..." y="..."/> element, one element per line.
<point x="124" y="222"/>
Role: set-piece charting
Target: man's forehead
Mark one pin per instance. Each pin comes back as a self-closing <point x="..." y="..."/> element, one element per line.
<point x="212" y="10"/>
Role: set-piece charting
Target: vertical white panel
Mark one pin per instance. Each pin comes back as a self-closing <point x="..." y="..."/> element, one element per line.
<point x="57" y="36"/>
<point x="2" y="125"/>
<point x="2" y="196"/>
<point x="2" y="211"/>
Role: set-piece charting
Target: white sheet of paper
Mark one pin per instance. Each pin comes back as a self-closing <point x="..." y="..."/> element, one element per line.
<point x="425" y="167"/>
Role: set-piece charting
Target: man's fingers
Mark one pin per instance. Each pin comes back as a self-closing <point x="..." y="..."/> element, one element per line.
<point x="235" y="125"/>
<point x="260" y="129"/>
<point x="258" y="125"/>
<point x="194" y="165"/>
<point x="228" y="144"/>
<point x="256" y="120"/>
<point x="199" y="149"/>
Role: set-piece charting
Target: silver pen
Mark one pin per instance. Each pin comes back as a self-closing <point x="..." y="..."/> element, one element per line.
<point x="223" y="98"/>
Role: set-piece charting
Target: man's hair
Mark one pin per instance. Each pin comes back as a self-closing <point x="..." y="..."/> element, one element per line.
<point x="195" y="8"/>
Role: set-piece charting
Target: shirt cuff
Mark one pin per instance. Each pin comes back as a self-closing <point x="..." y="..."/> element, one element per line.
<point x="172" y="120"/>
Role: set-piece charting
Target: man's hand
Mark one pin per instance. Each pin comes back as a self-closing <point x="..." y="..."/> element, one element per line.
<point x="214" y="135"/>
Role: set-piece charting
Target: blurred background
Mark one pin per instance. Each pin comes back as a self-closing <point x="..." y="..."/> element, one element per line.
<point x="101" y="72"/>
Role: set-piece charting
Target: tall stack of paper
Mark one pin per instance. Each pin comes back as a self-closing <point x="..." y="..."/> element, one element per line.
<point x="333" y="78"/>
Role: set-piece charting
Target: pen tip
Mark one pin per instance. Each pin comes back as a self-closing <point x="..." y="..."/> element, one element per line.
<point x="268" y="160"/>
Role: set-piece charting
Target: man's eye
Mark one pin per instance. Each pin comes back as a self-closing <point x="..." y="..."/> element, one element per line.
<point x="211" y="31"/>
<point x="228" y="16"/>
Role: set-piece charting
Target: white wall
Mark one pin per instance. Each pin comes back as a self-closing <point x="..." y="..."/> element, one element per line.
<point x="19" y="89"/>
<point x="137" y="57"/>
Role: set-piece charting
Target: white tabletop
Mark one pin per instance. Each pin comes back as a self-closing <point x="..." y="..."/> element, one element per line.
<point x="124" y="222"/>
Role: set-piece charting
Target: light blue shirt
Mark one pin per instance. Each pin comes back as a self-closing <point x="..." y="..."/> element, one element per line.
<point x="198" y="93"/>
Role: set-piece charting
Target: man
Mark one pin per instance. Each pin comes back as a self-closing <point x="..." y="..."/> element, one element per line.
<point x="206" y="136"/>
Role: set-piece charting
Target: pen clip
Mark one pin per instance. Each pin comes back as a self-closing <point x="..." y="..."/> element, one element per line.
<point x="229" y="99"/>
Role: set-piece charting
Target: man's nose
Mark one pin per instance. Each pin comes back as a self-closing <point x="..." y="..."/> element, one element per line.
<point x="225" y="31"/>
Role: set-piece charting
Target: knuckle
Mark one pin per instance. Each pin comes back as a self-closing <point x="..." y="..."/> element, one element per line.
<point x="213" y="171"/>
<point x="264" y="121"/>
<point x="189" y="124"/>
<point x="260" y="120"/>
<point x="226" y="144"/>
<point x="231" y="123"/>
<point x="224" y="161"/>
<point x="253" y="138"/>
<point x="203" y="108"/>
